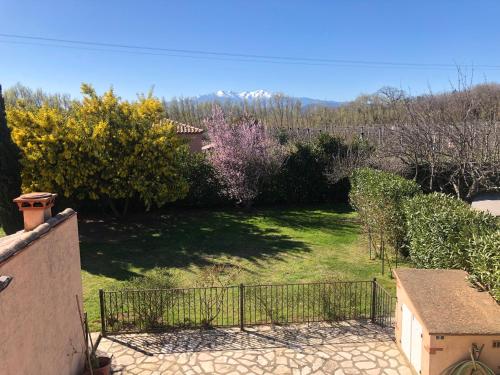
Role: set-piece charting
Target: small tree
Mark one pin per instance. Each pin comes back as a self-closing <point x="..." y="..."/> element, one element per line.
<point x="379" y="197"/>
<point x="214" y="281"/>
<point x="10" y="176"/>
<point x="244" y="155"/>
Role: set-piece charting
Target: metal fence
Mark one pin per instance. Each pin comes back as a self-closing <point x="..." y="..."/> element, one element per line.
<point x="127" y="311"/>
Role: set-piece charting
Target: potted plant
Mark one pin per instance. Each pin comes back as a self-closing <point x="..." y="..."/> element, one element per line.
<point x="99" y="365"/>
<point x="95" y="364"/>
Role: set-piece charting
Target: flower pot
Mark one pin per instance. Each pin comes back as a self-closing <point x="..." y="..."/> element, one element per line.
<point x="103" y="369"/>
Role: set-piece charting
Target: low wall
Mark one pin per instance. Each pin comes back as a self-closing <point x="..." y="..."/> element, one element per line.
<point x="40" y="330"/>
<point x="194" y="141"/>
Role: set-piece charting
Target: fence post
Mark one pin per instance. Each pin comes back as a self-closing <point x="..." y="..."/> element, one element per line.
<point x="373" y="311"/>
<point x="101" y="302"/>
<point x="242" y="310"/>
<point x="382" y="255"/>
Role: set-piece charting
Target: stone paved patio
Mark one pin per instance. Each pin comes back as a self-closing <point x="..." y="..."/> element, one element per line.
<point x="344" y="348"/>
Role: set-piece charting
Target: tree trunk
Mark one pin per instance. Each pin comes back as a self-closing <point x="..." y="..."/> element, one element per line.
<point x="112" y="205"/>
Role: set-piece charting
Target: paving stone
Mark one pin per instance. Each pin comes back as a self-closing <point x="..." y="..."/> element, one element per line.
<point x="282" y="361"/>
<point x="282" y="369"/>
<point x="365" y="365"/>
<point x="242" y="369"/>
<point x="392" y="353"/>
<point x="222" y="368"/>
<point x="207" y="366"/>
<point x="262" y="361"/>
<point x="204" y="357"/>
<point x="256" y="370"/>
<point x="221" y="359"/>
<point x="324" y="351"/>
<point x="318" y="362"/>
<point x="148" y="366"/>
<point x="124" y="360"/>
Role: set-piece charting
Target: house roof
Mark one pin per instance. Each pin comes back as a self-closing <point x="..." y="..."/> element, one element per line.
<point x="447" y="304"/>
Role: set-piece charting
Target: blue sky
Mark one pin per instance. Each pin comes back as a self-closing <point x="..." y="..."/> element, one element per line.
<point x="443" y="32"/>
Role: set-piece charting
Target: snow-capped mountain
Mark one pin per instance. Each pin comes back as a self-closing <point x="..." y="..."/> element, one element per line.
<point x="249" y="96"/>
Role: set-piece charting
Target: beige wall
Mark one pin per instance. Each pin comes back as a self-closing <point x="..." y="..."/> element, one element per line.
<point x="456" y="348"/>
<point x="194" y="141"/>
<point x="39" y="322"/>
<point x="438" y="355"/>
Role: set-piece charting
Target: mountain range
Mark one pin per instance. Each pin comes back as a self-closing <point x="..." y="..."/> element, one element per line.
<point x="250" y="96"/>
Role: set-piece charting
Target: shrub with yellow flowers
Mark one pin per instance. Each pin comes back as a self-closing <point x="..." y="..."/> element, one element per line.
<point x="100" y="148"/>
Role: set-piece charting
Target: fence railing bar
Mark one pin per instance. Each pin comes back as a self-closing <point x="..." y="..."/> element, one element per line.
<point x="159" y="309"/>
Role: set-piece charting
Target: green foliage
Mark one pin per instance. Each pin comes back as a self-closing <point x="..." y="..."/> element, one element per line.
<point x="378" y="197"/>
<point x="484" y="261"/>
<point x="10" y="176"/>
<point x="215" y="277"/>
<point x="150" y="311"/>
<point x="302" y="179"/>
<point x="157" y="278"/>
<point x="440" y="228"/>
<point x="100" y="148"/>
<point x="205" y="189"/>
<point x="304" y="175"/>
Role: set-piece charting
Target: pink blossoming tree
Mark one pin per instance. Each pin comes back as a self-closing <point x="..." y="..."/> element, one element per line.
<point x="244" y="155"/>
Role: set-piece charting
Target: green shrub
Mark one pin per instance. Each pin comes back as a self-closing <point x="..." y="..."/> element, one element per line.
<point x="157" y="278"/>
<point x="484" y="261"/>
<point x="440" y="228"/>
<point x="379" y="197"/>
<point x="151" y="308"/>
<point x="10" y="176"/>
<point x="304" y="176"/>
<point x="205" y="189"/>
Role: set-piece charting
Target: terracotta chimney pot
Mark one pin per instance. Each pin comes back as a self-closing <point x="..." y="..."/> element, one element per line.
<point x="36" y="208"/>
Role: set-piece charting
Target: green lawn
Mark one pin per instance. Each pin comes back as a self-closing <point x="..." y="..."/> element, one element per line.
<point x="270" y="246"/>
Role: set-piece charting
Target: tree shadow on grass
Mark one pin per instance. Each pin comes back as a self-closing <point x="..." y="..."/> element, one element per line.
<point x="327" y="219"/>
<point x="111" y="248"/>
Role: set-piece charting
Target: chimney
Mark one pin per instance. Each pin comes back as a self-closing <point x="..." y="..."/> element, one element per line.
<point x="36" y="208"/>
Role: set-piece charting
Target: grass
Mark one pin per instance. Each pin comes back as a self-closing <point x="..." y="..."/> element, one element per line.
<point x="275" y="245"/>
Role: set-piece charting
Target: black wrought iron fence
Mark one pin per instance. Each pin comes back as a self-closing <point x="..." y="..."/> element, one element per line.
<point x="244" y="305"/>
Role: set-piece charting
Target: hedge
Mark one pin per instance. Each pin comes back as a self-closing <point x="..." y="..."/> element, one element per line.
<point x="484" y="261"/>
<point x="378" y="197"/>
<point x="440" y="228"/>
